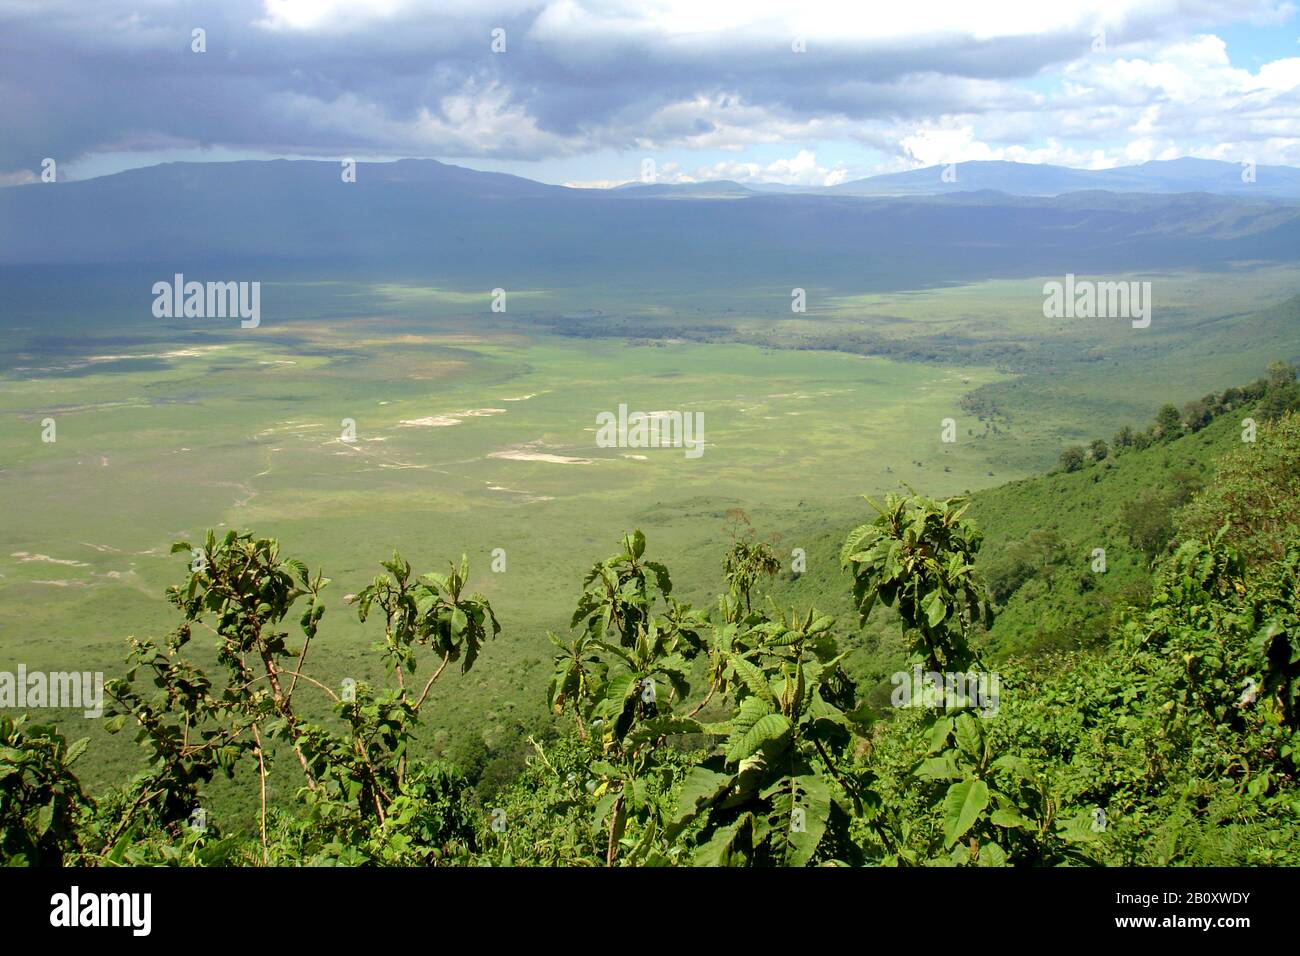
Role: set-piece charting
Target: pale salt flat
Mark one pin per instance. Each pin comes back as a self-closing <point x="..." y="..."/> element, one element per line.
<point x="541" y="456"/>
<point x="25" y="556"/>
<point x="432" y="421"/>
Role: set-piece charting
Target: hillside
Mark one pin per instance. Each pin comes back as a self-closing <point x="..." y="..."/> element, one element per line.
<point x="1142" y="752"/>
<point x="1040" y="534"/>
<point x="1038" y="550"/>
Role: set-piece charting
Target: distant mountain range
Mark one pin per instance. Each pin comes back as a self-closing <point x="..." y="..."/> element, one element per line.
<point x="1026" y="179"/>
<point x="1029" y="179"/>
<point x="429" y="219"/>
<point x="1159" y="177"/>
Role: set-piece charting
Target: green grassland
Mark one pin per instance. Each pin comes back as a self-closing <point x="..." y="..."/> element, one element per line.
<point x="244" y="434"/>
<point x="163" y="432"/>
<point x="1064" y="604"/>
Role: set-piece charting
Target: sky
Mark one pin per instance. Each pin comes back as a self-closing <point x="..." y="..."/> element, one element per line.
<point x="601" y="92"/>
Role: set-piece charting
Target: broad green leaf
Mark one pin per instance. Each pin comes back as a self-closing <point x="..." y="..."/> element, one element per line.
<point x="667" y="725"/>
<point x="753" y="679"/>
<point x="992" y="855"/>
<point x="969" y="736"/>
<point x="603" y="806"/>
<point x="1016" y="765"/>
<point x="750" y="711"/>
<point x="115" y="723"/>
<point x="1078" y="828"/>
<point x="1009" y="817"/>
<point x="719" y="851"/>
<point x="962" y="806"/>
<point x="700" y="788"/>
<point x="939" y="736"/>
<point x="764" y="734"/>
<point x="75" y="751"/>
<point x="801" y="816"/>
<point x="44" y="818"/>
<point x="938" y="768"/>
<point x="935" y="608"/>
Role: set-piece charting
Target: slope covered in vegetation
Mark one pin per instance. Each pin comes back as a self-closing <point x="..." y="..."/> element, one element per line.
<point x="1164" y="731"/>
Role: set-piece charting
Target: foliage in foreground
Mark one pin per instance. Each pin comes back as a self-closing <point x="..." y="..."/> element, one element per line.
<point x="730" y="735"/>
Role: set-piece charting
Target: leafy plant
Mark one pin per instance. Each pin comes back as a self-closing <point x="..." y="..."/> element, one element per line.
<point x="41" y="800"/>
<point x="918" y="556"/>
<point x="779" y="788"/>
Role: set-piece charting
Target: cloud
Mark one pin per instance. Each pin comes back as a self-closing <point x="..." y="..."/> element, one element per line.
<point x="801" y="169"/>
<point x="1159" y="101"/>
<point x="20" y="177"/>
<point x="909" y="82"/>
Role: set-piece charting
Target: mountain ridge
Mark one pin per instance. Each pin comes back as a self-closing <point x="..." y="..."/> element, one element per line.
<point x="422" y="217"/>
<point x="1183" y="175"/>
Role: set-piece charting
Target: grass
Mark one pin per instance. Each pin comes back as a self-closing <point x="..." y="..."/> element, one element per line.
<point x="239" y="433"/>
<point x="165" y="431"/>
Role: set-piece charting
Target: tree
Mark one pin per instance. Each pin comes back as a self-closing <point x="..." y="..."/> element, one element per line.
<point x="1278" y="401"/>
<point x="747" y="560"/>
<point x="1006" y="574"/>
<point x="1280" y="374"/>
<point x="1098" y="450"/>
<point x="615" y="687"/>
<point x="1197" y="414"/>
<point x="363" y="800"/>
<point x="1042" y="549"/>
<point x="1169" y="423"/>
<point x="1148" y="520"/>
<point x="1073" y="458"/>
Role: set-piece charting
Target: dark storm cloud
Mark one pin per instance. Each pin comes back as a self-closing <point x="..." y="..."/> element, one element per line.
<point x="402" y="80"/>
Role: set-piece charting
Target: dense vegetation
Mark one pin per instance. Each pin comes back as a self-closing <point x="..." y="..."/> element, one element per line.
<point x="737" y="734"/>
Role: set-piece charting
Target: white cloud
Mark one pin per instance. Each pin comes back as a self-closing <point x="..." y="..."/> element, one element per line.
<point x="1157" y="101"/>
<point x="925" y="82"/>
<point x="595" y="183"/>
<point x="685" y="24"/>
<point x="799" y="170"/>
